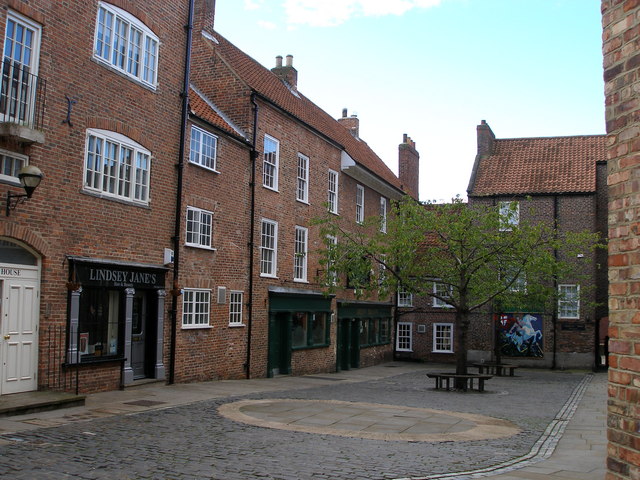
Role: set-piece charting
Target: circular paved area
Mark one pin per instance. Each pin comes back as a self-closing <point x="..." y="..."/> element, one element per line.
<point x="367" y="420"/>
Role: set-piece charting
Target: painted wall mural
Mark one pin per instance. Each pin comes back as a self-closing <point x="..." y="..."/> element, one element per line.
<point x="520" y="334"/>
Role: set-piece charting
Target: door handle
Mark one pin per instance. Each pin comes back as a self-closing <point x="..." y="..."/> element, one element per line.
<point x="7" y="337"/>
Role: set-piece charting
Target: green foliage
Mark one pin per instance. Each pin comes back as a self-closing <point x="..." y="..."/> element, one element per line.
<point x="474" y="252"/>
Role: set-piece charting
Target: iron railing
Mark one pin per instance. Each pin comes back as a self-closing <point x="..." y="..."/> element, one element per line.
<point x="22" y="96"/>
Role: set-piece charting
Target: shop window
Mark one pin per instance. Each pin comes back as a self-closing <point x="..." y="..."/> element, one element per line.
<point x="374" y="331"/>
<point x="99" y="324"/>
<point x="309" y="330"/>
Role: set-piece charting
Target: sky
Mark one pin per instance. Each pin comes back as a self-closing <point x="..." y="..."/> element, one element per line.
<point x="434" y="69"/>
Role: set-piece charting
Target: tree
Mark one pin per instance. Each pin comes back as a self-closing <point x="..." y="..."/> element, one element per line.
<point x="476" y="255"/>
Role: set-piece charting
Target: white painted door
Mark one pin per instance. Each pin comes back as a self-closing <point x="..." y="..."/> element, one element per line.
<point x="19" y="332"/>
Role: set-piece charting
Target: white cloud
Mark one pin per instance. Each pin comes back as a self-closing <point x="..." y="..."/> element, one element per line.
<point x="267" y="25"/>
<point x="327" y="13"/>
<point x="252" y="4"/>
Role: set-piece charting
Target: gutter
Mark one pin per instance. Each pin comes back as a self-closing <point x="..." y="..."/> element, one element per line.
<point x="175" y="292"/>
<point x="253" y="154"/>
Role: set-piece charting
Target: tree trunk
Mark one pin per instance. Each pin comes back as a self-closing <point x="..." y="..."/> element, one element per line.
<point x="462" y="323"/>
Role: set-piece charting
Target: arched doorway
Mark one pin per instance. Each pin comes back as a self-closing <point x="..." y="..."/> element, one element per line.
<point x="19" y="316"/>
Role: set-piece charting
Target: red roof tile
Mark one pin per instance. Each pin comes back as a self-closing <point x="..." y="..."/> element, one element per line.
<point x="267" y="84"/>
<point x="539" y="165"/>
<point x="200" y="107"/>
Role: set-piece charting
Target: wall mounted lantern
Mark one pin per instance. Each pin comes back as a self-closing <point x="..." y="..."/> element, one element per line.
<point x="30" y="177"/>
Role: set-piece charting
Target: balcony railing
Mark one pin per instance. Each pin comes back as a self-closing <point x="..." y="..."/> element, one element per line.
<point x="22" y="96"/>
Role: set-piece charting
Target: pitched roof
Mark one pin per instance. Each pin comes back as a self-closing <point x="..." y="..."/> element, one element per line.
<point x="202" y="107"/>
<point x="268" y="85"/>
<point x="523" y="166"/>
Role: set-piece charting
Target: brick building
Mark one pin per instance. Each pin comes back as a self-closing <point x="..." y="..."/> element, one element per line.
<point x="558" y="180"/>
<point x="172" y="235"/>
<point x="303" y="162"/>
<point x="621" y="24"/>
<point x="83" y="273"/>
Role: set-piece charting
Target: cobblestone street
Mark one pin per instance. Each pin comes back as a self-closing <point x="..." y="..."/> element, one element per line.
<point x="194" y="441"/>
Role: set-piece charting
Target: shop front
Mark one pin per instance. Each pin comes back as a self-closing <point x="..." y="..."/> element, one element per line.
<point x="299" y="331"/>
<point x="116" y="315"/>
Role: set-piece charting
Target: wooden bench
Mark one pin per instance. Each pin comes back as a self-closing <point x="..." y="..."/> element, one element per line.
<point x="497" y="369"/>
<point x="443" y="380"/>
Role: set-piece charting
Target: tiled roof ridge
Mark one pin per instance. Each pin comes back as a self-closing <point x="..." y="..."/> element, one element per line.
<point x="558" y="137"/>
<point x="299" y="106"/>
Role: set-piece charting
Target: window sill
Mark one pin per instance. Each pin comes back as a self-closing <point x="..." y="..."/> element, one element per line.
<point x="442" y="351"/>
<point x="200" y="247"/>
<point x="237" y="325"/>
<point x="204" y="167"/>
<point x="106" y="196"/>
<point x="265" y="275"/>
<point x="304" y="202"/>
<point x="271" y="188"/>
<point x="296" y="280"/>
<point x="196" y="327"/>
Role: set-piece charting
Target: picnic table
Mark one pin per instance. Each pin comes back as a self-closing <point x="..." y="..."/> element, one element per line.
<point x="497" y="369"/>
<point x="444" y="380"/>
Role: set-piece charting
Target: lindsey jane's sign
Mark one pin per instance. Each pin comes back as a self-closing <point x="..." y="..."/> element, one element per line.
<point x="119" y="276"/>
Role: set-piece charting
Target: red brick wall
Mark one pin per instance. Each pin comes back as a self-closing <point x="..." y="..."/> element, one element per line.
<point x="621" y="28"/>
<point x="62" y="219"/>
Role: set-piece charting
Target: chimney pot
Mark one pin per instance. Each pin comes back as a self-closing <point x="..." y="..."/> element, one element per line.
<point x="404" y="138"/>
<point x="289" y="60"/>
<point x="344" y="113"/>
<point x="279" y="61"/>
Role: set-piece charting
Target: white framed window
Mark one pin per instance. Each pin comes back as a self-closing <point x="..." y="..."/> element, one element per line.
<point x="300" y="255"/>
<point x="268" y="248"/>
<point x="332" y="274"/>
<point x="10" y="164"/>
<point x="569" y="301"/>
<point x="20" y="69"/>
<point x="443" y="337"/>
<point x="271" y="163"/>
<point x="359" y="204"/>
<point x="302" y="190"/>
<point x="203" y="149"/>
<point x="116" y="166"/>
<point x="509" y="215"/>
<point x="235" y="308"/>
<point x="199" y="228"/>
<point x="332" y="192"/>
<point x="443" y="291"/>
<point x="405" y="299"/>
<point x="195" y="308"/>
<point x="126" y="44"/>
<point x="404" y="337"/>
<point x="383" y="215"/>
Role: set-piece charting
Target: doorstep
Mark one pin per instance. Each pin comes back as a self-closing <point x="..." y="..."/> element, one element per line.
<point x="30" y="402"/>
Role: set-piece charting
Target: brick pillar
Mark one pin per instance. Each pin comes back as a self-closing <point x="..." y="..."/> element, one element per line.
<point x="621" y="27"/>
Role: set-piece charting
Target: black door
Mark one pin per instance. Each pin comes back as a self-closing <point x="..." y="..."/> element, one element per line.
<point x="279" y="344"/>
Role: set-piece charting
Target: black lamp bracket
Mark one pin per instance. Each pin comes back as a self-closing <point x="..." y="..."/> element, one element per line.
<point x="14" y="199"/>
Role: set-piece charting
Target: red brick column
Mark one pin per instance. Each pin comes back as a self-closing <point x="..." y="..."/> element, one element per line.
<point x="621" y="35"/>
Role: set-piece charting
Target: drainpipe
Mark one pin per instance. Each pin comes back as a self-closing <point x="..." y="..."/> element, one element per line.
<point x="252" y="221"/>
<point x="554" y="315"/>
<point x="178" y="214"/>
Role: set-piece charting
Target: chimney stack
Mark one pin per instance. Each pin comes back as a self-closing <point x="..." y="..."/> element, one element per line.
<point x="351" y="123"/>
<point x="486" y="138"/>
<point x="409" y="166"/>
<point x="288" y="73"/>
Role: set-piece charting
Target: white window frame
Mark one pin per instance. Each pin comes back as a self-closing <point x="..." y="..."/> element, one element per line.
<point x="133" y="52"/>
<point x="332" y="274"/>
<point x="21" y="97"/>
<point x="268" y="249"/>
<point x="302" y="186"/>
<point x="437" y="289"/>
<point x="300" y="256"/>
<point x="405" y="299"/>
<point x="196" y="308"/>
<point x="203" y="149"/>
<point x="569" y="303"/>
<point x="199" y="224"/>
<point x="332" y="192"/>
<point x="383" y="214"/>
<point x="404" y="337"/>
<point x="10" y="165"/>
<point x="359" y="204"/>
<point x="509" y="219"/>
<point x="101" y="178"/>
<point x="271" y="163"/>
<point x="235" y="308"/>
<point x="438" y="336"/>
